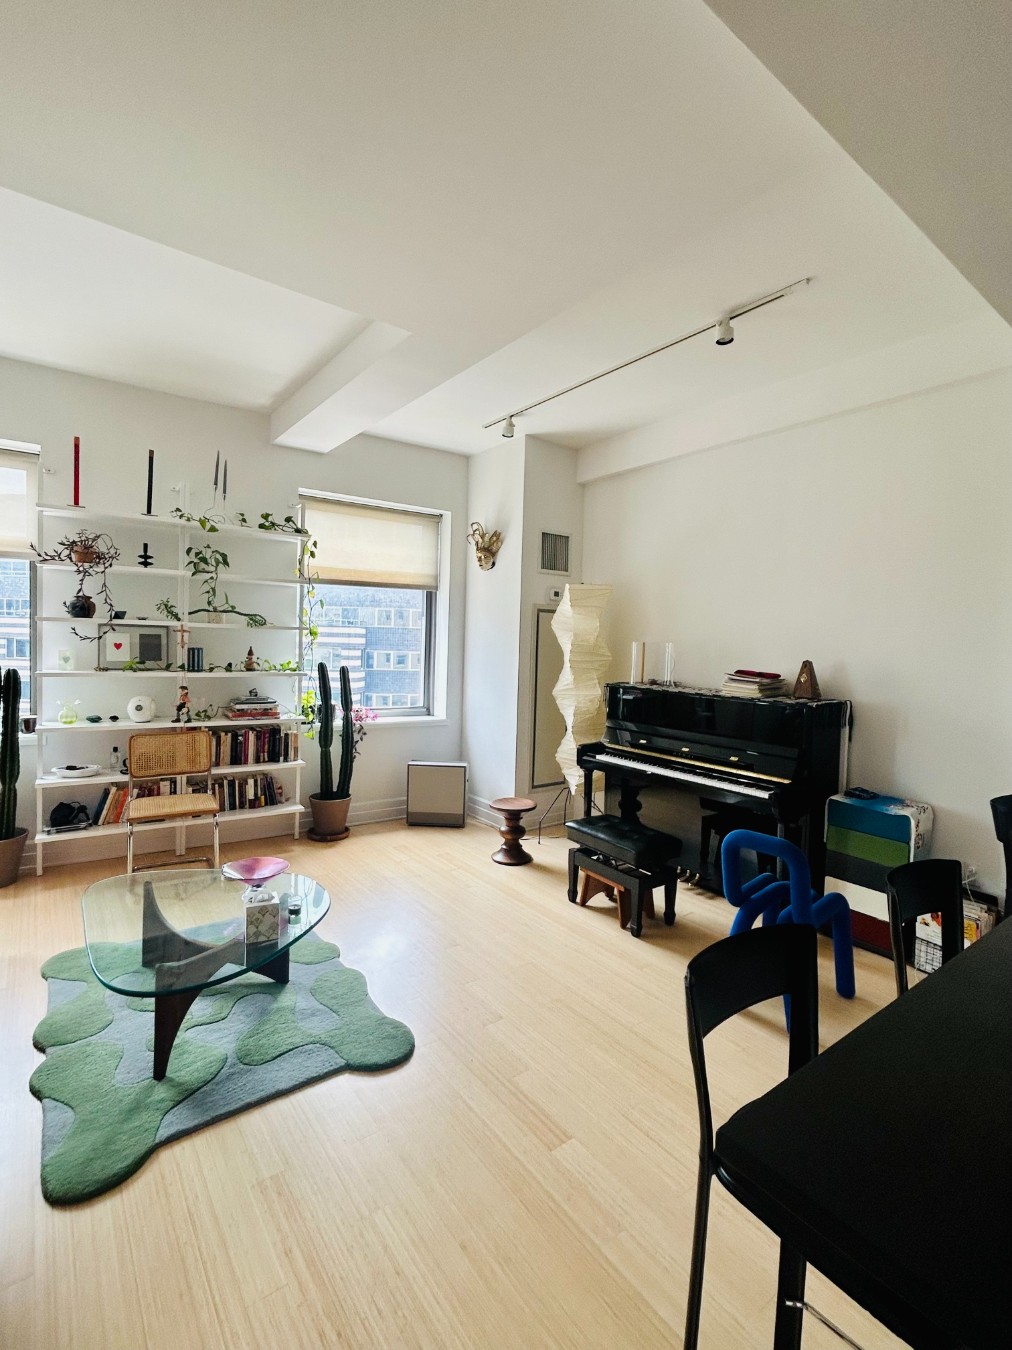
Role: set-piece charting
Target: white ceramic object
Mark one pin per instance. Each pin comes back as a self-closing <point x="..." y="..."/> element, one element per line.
<point x="141" y="708"/>
<point x="76" y="770"/>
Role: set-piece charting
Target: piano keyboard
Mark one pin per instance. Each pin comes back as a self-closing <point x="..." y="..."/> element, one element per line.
<point x="696" y="779"/>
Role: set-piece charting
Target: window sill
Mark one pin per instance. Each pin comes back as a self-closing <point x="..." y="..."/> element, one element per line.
<point x="407" y="722"/>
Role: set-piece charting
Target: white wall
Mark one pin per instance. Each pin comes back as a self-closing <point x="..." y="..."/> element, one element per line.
<point x="117" y="423"/>
<point x="875" y="543"/>
<point x="492" y="641"/>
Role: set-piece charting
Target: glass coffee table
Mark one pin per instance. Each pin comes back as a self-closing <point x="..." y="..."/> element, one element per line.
<point x="171" y="935"/>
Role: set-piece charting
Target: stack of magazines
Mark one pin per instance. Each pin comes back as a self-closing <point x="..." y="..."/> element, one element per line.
<point x="753" y="684"/>
<point x="253" y="705"/>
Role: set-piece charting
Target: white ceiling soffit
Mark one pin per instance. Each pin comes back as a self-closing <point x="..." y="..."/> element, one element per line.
<point x="493" y="201"/>
<point x="83" y="296"/>
<point x="877" y="281"/>
<point x="461" y="173"/>
<point x="920" y="93"/>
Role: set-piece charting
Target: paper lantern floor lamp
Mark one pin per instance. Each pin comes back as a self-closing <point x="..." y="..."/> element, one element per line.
<point x="585" y="658"/>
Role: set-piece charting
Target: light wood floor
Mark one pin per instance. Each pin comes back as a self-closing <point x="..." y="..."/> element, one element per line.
<point x="526" y="1180"/>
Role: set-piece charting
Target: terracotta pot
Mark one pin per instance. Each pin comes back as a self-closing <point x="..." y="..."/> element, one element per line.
<point x="11" y="852"/>
<point x="83" y="555"/>
<point x="330" y="818"/>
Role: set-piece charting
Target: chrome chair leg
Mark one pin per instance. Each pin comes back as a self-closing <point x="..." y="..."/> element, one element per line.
<point x="130" y="848"/>
<point x="216" y="858"/>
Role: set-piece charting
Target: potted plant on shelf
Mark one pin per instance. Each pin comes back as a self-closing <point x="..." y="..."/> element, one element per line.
<point x="207" y="563"/>
<point x="330" y="805"/>
<point x="90" y="555"/>
<point x="12" y="839"/>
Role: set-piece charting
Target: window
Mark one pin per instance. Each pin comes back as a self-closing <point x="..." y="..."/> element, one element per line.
<point x="378" y="570"/>
<point x="18" y="486"/>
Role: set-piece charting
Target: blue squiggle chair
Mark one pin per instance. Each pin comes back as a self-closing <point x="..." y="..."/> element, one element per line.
<point x="786" y="901"/>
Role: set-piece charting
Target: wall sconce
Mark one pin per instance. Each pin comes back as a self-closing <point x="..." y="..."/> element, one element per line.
<point x="486" y="545"/>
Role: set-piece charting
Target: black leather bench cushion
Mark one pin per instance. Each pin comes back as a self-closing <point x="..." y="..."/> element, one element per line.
<point x="625" y="840"/>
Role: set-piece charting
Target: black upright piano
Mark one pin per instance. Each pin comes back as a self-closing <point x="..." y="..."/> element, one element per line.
<point x="672" y="755"/>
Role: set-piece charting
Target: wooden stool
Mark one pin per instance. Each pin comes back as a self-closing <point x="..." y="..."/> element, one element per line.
<point x="634" y="886"/>
<point x="512" y="831"/>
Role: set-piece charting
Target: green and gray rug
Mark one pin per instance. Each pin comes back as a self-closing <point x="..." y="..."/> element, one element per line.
<point x="241" y="1043"/>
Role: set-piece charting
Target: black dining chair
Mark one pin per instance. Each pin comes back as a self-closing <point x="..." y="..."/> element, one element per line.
<point x="1001" y="812"/>
<point x="928" y="886"/>
<point x="724" y="979"/>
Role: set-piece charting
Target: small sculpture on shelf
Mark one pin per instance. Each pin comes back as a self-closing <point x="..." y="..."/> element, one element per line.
<point x="251" y="661"/>
<point x="183" y="705"/>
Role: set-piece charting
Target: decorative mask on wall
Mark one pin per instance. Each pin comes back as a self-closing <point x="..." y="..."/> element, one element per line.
<point x="486" y="545"/>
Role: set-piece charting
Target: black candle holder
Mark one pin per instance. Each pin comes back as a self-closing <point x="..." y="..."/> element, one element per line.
<point x="146" y="558"/>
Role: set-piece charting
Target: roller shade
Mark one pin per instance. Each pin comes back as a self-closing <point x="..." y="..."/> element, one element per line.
<point x="373" y="545"/>
<point x="19" y="475"/>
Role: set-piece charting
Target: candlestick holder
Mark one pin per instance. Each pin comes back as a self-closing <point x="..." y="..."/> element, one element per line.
<point x="146" y="558"/>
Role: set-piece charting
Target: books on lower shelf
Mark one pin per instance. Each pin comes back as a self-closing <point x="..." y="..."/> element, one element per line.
<point x="233" y="794"/>
<point x="753" y="684"/>
<point x="248" y="794"/>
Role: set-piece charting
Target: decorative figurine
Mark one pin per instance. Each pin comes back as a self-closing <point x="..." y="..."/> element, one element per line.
<point x="146" y="558"/>
<point x="251" y="661"/>
<point x="183" y="705"/>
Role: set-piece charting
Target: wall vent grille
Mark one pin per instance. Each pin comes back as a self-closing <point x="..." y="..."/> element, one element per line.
<point x="554" y="552"/>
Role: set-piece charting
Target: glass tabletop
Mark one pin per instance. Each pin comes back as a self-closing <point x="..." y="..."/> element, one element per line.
<point x="169" y="931"/>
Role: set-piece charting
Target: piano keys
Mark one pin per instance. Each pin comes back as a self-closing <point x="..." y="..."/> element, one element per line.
<point x="669" y="754"/>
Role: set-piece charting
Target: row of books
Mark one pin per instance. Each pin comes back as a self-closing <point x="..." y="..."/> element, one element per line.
<point x="254" y="745"/>
<point x="113" y="800"/>
<point x="248" y="794"/>
<point x="753" y="684"/>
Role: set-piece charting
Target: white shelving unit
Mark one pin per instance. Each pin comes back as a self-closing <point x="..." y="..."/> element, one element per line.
<point x="263" y="576"/>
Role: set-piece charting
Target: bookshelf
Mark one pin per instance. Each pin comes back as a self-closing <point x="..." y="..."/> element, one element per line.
<point x="72" y="669"/>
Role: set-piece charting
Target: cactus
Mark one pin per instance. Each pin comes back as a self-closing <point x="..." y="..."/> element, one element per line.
<point x="347" y="737"/>
<point x="326" y="734"/>
<point x="10" y="755"/>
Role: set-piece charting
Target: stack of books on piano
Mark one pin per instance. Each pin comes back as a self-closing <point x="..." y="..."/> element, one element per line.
<point x="753" y="684"/>
<point x="252" y="706"/>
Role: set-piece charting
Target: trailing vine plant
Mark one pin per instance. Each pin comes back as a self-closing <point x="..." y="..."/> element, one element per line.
<point x="91" y="555"/>
<point x="206" y="564"/>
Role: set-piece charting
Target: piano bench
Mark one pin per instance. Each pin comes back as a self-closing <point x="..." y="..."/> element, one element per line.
<point x="626" y="841"/>
<point x="628" y="856"/>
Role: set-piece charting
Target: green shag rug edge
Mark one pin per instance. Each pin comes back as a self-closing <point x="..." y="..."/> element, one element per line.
<point x="103" y="1114"/>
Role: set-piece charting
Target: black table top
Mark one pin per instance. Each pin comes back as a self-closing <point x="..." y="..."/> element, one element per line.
<point x="888" y="1160"/>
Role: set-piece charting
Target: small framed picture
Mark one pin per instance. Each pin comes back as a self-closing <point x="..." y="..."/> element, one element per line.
<point x="147" y="647"/>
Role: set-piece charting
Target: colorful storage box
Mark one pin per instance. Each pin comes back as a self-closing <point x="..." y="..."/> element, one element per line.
<point x="866" y="839"/>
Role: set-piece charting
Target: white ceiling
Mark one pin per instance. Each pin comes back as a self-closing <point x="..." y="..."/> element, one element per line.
<point x="412" y="219"/>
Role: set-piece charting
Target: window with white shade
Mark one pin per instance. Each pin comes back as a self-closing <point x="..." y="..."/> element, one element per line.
<point x="19" y="476"/>
<point x="377" y="571"/>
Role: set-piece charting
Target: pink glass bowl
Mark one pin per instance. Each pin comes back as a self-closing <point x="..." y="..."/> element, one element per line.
<point x="254" y="871"/>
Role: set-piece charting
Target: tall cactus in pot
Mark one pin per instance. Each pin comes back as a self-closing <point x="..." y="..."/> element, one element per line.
<point x="326" y="735"/>
<point x="330" y="804"/>
<point x="343" y="788"/>
<point x="10" y="754"/>
<point x="12" y="839"/>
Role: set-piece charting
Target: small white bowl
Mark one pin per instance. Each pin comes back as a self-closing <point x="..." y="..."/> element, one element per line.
<point x="77" y="771"/>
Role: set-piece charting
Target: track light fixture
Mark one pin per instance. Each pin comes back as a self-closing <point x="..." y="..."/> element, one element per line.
<point x="722" y="327"/>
